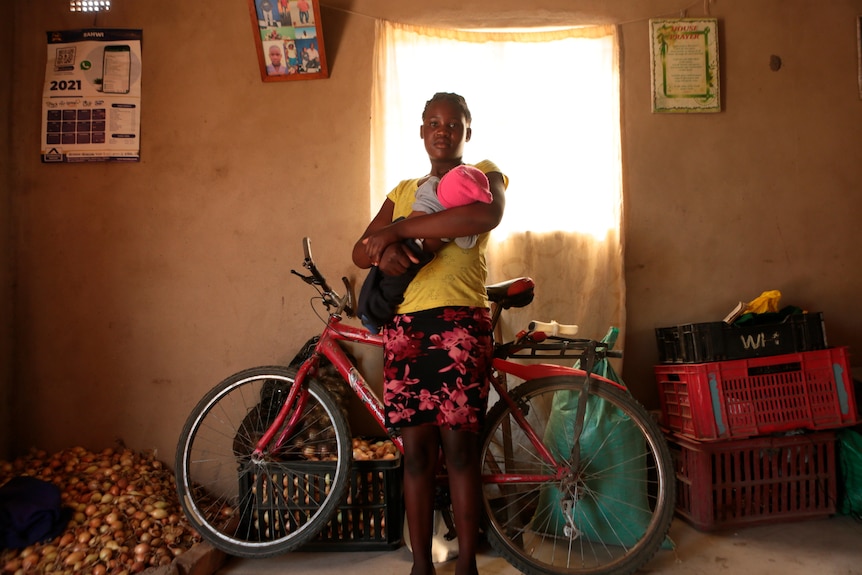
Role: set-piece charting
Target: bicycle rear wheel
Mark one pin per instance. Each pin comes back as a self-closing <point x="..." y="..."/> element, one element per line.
<point x="607" y="515"/>
<point x="261" y="506"/>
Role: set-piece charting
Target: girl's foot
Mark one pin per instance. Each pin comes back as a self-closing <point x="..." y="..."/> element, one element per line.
<point x="466" y="567"/>
<point x="423" y="569"/>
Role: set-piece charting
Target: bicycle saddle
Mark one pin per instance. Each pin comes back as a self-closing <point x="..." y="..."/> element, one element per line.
<point x="516" y="292"/>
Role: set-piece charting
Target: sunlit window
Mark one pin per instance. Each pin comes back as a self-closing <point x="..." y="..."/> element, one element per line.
<point x="545" y="108"/>
<point x="89" y="5"/>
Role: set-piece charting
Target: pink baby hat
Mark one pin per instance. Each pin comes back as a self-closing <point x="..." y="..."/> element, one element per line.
<point x="463" y="185"/>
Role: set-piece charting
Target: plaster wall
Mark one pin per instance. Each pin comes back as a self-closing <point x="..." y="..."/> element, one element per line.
<point x="6" y="270"/>
<point x="140" y="286"/>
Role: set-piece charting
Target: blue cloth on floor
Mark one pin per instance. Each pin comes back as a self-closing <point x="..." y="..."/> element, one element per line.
<point x="30" y="512"/>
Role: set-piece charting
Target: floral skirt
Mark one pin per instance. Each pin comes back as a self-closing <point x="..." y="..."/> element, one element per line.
<point x="436" y="366"/>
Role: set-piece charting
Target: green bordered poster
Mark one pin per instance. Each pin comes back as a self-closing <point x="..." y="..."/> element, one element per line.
<point x="684" y="62"/>
<point x="91" y="103"/>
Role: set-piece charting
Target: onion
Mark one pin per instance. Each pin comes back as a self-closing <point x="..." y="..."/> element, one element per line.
<point x="125" y="513"/>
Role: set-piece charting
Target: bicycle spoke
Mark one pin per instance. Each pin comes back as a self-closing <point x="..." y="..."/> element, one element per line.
<point x="608" y="516"/>
<point x="260" y="505"/>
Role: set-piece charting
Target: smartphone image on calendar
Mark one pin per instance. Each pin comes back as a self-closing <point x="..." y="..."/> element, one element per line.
<point x="116" y="69"/>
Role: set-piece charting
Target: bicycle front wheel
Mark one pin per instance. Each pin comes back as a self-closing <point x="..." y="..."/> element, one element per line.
<point x="259" y="506"/>
<point x="607" y="513"/>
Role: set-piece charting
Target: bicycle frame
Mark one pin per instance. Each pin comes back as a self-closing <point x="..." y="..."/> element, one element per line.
<point x="328" y="346"/>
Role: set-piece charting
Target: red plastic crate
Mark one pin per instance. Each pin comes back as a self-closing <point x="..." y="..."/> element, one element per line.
<point x="754" y="481"/>
<point x="758" y="396"/>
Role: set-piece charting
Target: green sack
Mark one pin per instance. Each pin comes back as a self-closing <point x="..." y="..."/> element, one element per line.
<point x="850" y="459"/>
<point x="622" y="514"/>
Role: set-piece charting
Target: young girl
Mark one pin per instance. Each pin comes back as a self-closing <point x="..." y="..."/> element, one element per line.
<point x="437" y="349"/>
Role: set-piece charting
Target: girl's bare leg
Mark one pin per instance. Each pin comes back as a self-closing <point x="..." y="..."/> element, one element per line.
<point x="465" y="480"/>
<point x="421" y="450"/>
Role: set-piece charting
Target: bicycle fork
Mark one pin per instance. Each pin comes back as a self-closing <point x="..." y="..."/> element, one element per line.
<point x="297" y="398"/>
<point x="568" y="472"/>
<point x="571" y="490"/>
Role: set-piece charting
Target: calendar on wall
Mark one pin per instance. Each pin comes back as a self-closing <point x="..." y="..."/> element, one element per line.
<point x="91" y="102"/>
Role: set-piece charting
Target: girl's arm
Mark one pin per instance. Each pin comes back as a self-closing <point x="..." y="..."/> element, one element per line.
<point x="472" y="219"/>
<point x="383" y="217"/>
<point x="394" y="258"/>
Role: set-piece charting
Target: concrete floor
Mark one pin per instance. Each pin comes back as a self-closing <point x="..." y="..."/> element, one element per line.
<point x="819" y="547"/>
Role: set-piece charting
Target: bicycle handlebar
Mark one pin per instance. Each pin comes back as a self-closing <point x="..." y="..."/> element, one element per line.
<point x="330" y="296"/>
<point x="316" y="277"/>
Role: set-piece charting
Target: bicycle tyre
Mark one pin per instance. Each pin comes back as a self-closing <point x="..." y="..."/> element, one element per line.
<point x="622" y="502"/>
<point x="274" y="504"/>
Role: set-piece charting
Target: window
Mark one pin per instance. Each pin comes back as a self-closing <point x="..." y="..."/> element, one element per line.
<point x="545" y="109"/>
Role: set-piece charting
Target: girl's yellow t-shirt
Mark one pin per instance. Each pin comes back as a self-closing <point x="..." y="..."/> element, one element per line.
<point x="456" y="276"/>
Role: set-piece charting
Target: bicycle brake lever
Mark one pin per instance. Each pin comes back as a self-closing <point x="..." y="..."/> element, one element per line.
<point x="348" y="288"/>
<point x="306" y="279"/>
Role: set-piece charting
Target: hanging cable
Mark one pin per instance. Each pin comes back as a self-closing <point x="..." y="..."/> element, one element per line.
<point x="683" y="12"/>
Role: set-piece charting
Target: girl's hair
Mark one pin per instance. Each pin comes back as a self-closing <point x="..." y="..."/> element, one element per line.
<point x="453" y="99"/>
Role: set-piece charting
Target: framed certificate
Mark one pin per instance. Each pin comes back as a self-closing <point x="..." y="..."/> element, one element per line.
<point x="684" y="62"/>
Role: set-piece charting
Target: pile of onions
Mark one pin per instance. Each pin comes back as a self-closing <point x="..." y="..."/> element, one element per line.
<point x="370" y="449"/>
<point x="126" y="514"/>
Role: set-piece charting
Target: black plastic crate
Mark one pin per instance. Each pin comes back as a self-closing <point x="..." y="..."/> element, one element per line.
<point x="371" y="516"/>
<point x="718" y="341"/>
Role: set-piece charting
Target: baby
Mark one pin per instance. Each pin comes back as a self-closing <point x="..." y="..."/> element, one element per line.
<point x="382" y="294"/>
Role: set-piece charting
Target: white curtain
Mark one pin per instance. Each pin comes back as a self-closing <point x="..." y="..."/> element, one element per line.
<point x="545" y="108"/>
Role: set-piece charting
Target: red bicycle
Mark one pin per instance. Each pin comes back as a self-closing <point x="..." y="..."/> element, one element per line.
<point x="577" y="475"/>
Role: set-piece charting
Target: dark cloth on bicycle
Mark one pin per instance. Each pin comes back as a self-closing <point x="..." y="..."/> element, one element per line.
<point x="381" y="294"/>
<point x="436" y="368"/>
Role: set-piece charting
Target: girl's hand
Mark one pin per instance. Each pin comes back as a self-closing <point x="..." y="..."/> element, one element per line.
<point x="396" y="259"/>
<point x="380" y="221"/>
<point x="376" y="242"/>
